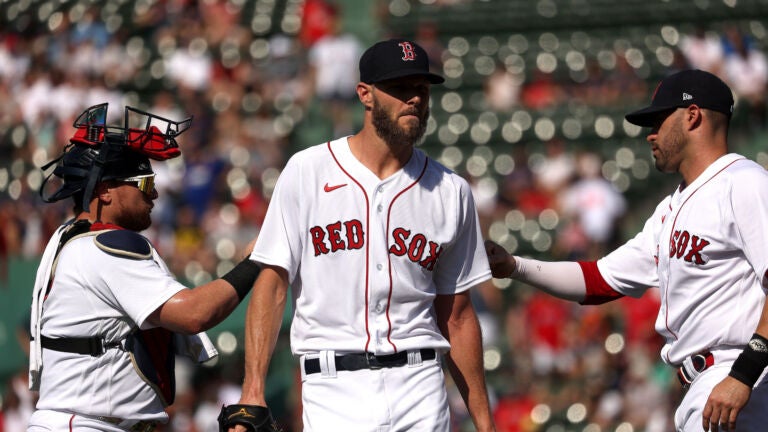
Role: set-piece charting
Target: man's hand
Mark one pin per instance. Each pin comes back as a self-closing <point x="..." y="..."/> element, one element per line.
<point x="724" y="404"/>
<point x="253" y="418"/>
<point x="502" y="263"/>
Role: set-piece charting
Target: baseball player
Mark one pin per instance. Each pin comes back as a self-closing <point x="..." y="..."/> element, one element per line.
<point x="704" y="247"/>
<point x="380" y="245"/>
<point x="108" y="318"/>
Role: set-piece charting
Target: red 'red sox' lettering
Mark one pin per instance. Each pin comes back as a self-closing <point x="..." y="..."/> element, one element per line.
<point x="415" y="248"/>
<point x="349" y="235"/>
<point x="678" y="244"/>
<point x="330" y="239"/>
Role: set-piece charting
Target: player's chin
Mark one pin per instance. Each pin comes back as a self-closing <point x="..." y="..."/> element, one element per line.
<point x="412" y="123"/>
<point x="410" y="120"/>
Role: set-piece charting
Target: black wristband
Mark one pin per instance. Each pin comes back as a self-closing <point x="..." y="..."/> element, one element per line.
<point x="752" y="361"/>
<point x="242" y="277"/>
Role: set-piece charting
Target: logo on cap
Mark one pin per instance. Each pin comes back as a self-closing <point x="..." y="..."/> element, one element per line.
<point x="686" y="96"/>
<point x="408" y="52"/>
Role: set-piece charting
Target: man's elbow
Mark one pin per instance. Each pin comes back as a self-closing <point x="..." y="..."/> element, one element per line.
<point x="182" y="317"/>
<point x="194" y="324"/>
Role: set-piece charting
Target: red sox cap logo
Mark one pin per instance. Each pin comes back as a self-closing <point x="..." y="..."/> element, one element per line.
<point x="409" y="54"/>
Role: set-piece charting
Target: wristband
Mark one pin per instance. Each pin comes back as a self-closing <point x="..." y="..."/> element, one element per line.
<point x="752" y="361"/>
<point x="242" y="277"/>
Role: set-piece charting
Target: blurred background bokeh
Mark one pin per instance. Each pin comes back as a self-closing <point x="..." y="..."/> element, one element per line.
<point x="531" y="114"/>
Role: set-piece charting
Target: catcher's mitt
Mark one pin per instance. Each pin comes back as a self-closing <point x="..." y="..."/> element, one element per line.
<point x="255" y="418"/>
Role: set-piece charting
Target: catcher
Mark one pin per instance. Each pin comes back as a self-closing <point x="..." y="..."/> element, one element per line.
<point x="108" y="317"/>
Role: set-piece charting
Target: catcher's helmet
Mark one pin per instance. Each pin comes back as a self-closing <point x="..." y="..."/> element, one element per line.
<point x="99" y="152"/>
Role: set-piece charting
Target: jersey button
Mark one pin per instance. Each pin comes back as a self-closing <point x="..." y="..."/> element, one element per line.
<point x="379" y="208"/>
<point x="379" y="266"/>
<point x="379" y="307"/>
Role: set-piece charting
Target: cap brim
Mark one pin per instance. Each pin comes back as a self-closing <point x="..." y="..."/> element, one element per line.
<point x="433" y="78"/>
<point x="646" y="117"/>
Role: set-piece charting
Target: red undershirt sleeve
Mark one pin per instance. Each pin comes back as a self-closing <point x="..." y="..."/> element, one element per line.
<point x="598" y="290"/>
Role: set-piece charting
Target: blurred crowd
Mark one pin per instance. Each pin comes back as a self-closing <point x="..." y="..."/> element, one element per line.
<point x="258" y="92"/>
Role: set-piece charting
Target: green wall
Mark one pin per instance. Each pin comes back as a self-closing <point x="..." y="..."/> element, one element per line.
<point x="15" y="299"/>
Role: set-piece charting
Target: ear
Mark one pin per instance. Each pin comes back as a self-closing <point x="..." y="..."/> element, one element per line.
<point x="365" y="94"/>
<point x="103" y="193"/>
<point x="693" y="117"/>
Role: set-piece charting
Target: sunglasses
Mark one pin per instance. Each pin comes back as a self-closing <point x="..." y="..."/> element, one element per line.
<point x="145" y="184"/>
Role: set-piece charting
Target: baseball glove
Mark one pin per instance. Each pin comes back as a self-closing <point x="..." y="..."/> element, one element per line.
<point x="255" y="418"/>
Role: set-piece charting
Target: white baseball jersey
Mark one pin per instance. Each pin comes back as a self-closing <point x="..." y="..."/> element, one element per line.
<point x="96" y="293"/>
<point x="706" y="248"/>
<point x="366" y="257"/>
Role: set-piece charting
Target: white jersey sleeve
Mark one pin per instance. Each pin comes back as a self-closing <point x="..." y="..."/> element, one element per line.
<point x="464" y="263"/>
<point x="749" y="206"/>
<point x="279" y="242"/>
<point x="631" y="268"/>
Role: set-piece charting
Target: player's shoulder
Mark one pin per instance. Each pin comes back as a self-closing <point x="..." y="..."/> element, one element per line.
<point x="744" y="167"/>
<point x="740" y="172"/>
<point x="315" y="154"/>
<point x="124" y="244"/>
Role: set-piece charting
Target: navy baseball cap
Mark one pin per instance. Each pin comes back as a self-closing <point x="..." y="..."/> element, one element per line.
<point x="395" y="58"/>
<point x="683" y="89"/>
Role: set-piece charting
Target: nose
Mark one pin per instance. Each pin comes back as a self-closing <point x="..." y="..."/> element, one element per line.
<point x="414" y="100"/>
<point x="153" y="196"/>
<point x="651" y="138"/>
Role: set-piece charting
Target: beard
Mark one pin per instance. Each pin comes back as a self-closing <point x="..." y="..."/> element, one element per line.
<point x="669" y="151"/>
<point x="391" y="132"/>
<point x="135" y="221"/>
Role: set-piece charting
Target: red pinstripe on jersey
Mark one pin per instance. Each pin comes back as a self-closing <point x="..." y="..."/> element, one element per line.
<point x="367" y="240"/>
<point x="672" y="233"/>
<point x="367" y="243"/>
<point x="389" y="256"/>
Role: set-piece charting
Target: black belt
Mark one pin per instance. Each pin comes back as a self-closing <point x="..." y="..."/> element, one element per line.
<point x="94" y="346"/>
<point x="353" y="362"/>
<point x="700" y="362"/>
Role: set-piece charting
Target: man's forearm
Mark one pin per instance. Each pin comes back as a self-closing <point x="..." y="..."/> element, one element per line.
<point x="465" y="360"/>
<point x="262" y="327"/>
<point x="465" y="363"/>
<point x="561" y="279"/>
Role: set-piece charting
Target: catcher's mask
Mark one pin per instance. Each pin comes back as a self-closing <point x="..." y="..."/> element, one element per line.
<point x="99" y="152"/>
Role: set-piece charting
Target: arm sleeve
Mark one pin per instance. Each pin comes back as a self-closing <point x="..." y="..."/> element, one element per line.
<point x="561" y="279"/>
<point x="575" y="281"/>
<point x="629" y="270"/>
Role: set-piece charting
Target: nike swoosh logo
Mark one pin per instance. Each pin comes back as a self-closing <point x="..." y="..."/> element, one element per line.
<point x="332" y="188"/>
